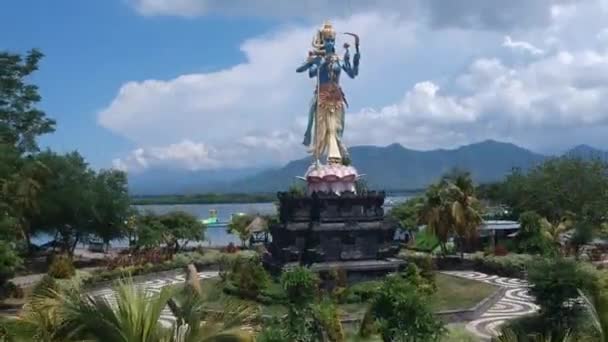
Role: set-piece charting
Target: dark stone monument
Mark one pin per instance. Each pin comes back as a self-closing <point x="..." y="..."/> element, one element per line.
<point x="329" y="231"/>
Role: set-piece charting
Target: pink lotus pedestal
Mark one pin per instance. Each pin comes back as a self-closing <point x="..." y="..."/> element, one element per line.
<point x="334" y="178"/>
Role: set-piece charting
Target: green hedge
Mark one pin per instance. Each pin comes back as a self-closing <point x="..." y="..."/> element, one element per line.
<point x="511" y="265"/>
<point x="180" y="260"/>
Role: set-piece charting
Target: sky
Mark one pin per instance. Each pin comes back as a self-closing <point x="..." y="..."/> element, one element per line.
<point x="211" y="84"/>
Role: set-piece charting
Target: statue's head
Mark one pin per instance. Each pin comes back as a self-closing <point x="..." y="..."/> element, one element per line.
<point x="325" y="39"/>
<point x="328" y="34"/>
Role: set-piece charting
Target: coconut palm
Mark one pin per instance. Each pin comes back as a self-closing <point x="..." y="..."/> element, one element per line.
<point x="436" y="215"/>
<point x="195" y="322"/>
<point x="134" y="316"/>
<point x="464" y="208"/>
<point x="553" y="232"/>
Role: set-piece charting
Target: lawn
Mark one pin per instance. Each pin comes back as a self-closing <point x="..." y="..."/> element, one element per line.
<point x="452" y="293"/>
<point x="456" y="293"/>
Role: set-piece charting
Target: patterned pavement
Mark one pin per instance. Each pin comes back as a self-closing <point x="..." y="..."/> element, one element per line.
<point x="515" y="303"/>
<point x="154" y="286"/>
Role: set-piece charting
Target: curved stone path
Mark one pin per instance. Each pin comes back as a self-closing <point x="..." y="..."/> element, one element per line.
<point x="515" y="303"/>
<point x="154" y="286"/>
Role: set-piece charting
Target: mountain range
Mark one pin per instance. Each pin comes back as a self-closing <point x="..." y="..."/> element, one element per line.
<point x="393" y="167"/>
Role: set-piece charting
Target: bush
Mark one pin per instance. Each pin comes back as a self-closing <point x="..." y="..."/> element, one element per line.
<point x="272" y="332"/>
<point x="363" y="292"/>
<point x="326" y="313"/>
<point x="249" y="277"/>
<point x="402" y="310"/>
<point x="300" y="285"/>
<point x="555" y="285"/>
<point x="9" y="261"/>
<point x="512" y="265"/>
<point x="62" y="267"/>
<point x="368" y="325"/>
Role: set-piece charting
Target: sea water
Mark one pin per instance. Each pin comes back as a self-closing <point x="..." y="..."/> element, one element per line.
<point x="214" y="237"/>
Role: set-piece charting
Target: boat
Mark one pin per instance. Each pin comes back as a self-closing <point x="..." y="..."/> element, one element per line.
<point x="213" y="222"/>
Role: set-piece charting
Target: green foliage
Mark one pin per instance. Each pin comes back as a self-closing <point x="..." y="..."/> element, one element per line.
<point x="558" y="187"/>
<point x="238" y="225"/>
<point x="531" y="238"/>
<point x="512" y="265"/>
<point x="426" y="241"/>
<point x="555" y="286"/>
<point x="300" y="285"/>
<point x="408" y="212"/>
<point x="175" y="229"/>
<point x="368" y="324"/>
<point x="20" y="121"/>
<point x="9" y="261"/>
<point x="425" y="264"/>
<point x="249" y="277"/>
<point x="451" y="209"/>
<point x="583" y="234"/>
<point x="326" y="313"/>
<point x="77" y="201"/>
<point x="403" y="312"/>
<point x="272" y="332"/>
<point x="178" y="227"/>
<point x="62" y="267"/>
<point x="179" y="261"/>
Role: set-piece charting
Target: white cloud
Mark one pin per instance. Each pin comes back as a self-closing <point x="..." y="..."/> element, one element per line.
<point x="521" y="45"/>
<point x="420" y="86"/>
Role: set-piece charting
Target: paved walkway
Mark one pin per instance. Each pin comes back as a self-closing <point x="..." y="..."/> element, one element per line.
<point x="515" y="303"/>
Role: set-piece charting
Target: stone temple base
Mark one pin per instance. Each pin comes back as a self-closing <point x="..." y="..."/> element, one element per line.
<point x="331" y="178"/>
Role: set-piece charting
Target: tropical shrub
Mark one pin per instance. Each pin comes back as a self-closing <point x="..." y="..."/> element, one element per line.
<point x="368" y="324"/>
<point x="326" y="313"/>
<point x="9" y="261"/>
<point x="62" y="267"/>
<point x="403" y="312"/>
<point x="512" y="265"/>
<point x="555" y="286"/>
<point x="300" y="285"/>
<point x="249" y="277"/>
<point x="272" y="332"/>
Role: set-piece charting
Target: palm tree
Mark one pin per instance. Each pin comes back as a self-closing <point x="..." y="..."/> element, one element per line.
<point x="553" y="232"/>
<point x="436" y="216"/>
<point x="463" y="206"/>
<point x="189" y="307"/>
<point x="67" y="315"/>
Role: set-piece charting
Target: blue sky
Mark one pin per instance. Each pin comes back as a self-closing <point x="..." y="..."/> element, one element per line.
<point x="208" y="84"/>
<point x="93" y="47"/>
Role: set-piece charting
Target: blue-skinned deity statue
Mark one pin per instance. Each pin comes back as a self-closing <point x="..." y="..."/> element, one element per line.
<point x="326" y="115"/>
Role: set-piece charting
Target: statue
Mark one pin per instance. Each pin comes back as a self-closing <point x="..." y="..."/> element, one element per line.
<point x="329" y="103"/>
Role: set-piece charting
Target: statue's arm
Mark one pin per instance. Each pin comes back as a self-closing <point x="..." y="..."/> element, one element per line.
<point x="352" y="70"/>
<point x="312" y="64"/>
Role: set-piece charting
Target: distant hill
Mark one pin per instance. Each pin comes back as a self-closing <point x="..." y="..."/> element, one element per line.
<point x="172" y="181"/>
<point x="393" y="167"/>
<point x="587" y="152"/>
<point x="396" y="168"/>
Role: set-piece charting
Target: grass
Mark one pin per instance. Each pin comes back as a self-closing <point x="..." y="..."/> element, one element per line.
<point x="459" y="293"/>
<point x="452" y="293"/>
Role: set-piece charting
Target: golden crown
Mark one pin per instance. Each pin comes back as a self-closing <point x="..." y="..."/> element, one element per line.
<point x="327" y="31"/>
